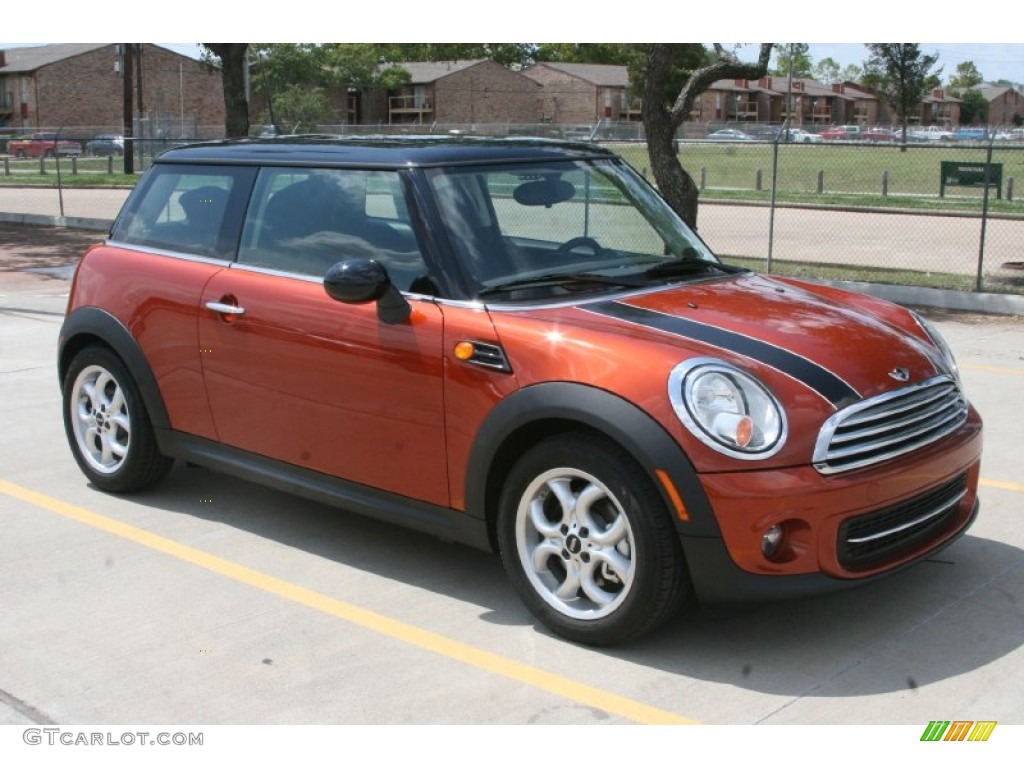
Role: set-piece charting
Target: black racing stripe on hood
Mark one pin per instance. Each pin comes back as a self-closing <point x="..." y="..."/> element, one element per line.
<point x="821" y="380"/>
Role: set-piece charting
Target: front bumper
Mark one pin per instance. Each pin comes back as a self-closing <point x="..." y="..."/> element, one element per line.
<point x="838" y="530"/>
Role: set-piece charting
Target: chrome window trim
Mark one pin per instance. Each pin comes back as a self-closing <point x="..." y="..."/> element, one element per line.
<point x="169" y="253"/>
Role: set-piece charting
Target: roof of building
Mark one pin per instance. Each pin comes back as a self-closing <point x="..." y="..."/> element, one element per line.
<point x="431" y="71"/>
<point x="31" y="58"/>
<point x="605" y="75"/>
<point x="990" y="91"/>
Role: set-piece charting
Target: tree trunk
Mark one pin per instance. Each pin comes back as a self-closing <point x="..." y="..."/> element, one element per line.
<point x="236" y="106"/>
<point x="674" y="183"/>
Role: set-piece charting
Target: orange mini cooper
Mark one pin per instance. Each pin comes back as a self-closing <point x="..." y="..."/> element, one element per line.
<point x="517" y="345"/>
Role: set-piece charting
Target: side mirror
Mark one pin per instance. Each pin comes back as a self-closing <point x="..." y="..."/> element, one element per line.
<point x="359" y="281"/>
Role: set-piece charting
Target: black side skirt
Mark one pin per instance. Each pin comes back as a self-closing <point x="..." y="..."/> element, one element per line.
<point x="442" y="522"/>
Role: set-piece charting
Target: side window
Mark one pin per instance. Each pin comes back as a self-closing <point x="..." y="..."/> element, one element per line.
<point x="191" y="209"/>
<point x="304" y="220"/>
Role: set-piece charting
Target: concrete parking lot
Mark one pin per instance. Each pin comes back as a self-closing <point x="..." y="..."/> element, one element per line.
<point x="211" y="600"/>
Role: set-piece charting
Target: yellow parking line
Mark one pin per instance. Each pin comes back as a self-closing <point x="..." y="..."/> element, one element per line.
<point x="1002" y="484"/>
<point x="421" y="638"/>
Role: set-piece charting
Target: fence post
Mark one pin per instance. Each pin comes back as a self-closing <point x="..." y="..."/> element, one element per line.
<point x="1009" y="189"/>
<point x="757" y="180"/>
<point x="821" y="182"/>
<point x="74" y="165"/>
<point x="42" y="164"/>
<point x="110" y="165"/>
<point x="703" y="177"/>
<point x="885" y="183"/>
<point x="7" y="166"/>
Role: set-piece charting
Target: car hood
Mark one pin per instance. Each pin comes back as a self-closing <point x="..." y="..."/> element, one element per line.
<point x="841" y="346"/>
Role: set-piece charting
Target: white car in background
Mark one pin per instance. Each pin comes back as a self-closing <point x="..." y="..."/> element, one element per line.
<point x="800" y="136"/>
<point x="932" y="133"/>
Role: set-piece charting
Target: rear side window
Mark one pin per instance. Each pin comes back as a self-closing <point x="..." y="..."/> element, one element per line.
<point x="190" y="209"/>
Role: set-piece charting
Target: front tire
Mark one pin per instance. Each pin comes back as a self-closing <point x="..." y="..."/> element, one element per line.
<point x="587" y="542"/>
<point x="107" y="425"/>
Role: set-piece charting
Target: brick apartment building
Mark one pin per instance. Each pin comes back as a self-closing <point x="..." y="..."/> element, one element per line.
<point x="457" y="92"/>
<point x="79" y="85"/>
<point x="584" y="93"/>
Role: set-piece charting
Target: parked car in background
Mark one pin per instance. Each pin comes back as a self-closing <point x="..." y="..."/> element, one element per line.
<point x="730" y="134"/>
<point x="762" y="131"/>
<point x="517" y="345"/>
<point x="933" y="133"/>
<point x="971" y="134"/>
<point x="881" y="135"/>
<point x="105" y="144"/>
<point x="842" y="133"/>
<point x="42" y="145"/>
<point x="800" y="136"/>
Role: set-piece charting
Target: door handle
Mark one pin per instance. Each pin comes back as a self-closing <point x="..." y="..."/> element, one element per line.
<point x="225" y="309"/>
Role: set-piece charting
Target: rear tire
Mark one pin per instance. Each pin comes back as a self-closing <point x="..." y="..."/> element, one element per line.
<point x="587" y="542"/>
<point x="107" y="426"/>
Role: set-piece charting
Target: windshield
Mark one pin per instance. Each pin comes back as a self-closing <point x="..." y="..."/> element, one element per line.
<point x="548" y="229"/>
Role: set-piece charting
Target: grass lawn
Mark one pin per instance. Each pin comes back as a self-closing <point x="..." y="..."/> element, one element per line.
<point x="851" y="173"/>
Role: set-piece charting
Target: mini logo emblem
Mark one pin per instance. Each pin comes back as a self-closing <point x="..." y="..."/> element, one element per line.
<point x="900" y="374"/>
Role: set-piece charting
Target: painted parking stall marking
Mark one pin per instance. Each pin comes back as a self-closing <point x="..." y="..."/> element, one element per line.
<point x="429" y="641"/>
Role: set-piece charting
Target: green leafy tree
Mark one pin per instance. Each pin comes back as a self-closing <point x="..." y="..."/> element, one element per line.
<point x="795" y="53"/>
<point x="300" y="109"/>
<point x="829" y="71"/>
<point x="964" y="86"/>
<point x="967" y="77"/>
<point x="279" y="69"/>
<point x="901" y="75"/>
<point x="973" y="107"/>
<point x="663" y="115"/>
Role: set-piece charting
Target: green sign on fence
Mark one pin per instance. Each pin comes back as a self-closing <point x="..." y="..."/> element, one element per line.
<point x="967" y="174"/>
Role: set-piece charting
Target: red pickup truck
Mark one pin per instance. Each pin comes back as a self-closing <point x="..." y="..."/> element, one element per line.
<point x="42" y="145"/>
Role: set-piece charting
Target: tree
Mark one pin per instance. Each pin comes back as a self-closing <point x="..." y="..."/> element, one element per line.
<point x="964" y="86"/>
<point x="901" y="75"/>
<point x="967" y="77"/>
<point x="232" y="66"/>
<point x="798" y="54"/>
<point x="973" y="107"/>
<point x="829" y="71"/>
<point x="282" y="70"/>
<point x="662" y="116"/>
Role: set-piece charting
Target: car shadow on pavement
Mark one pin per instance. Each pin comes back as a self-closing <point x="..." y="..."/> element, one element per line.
<point x="946" y="616"/>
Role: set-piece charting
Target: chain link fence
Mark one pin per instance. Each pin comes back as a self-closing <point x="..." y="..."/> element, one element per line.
<point x="942" y="215"/>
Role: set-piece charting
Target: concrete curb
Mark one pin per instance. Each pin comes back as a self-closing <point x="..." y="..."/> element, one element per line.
<point x="70" y="222"/>
<point x="918" y="296"/>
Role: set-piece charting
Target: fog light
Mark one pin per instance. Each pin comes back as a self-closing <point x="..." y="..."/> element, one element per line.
<point x="771" y="540"/>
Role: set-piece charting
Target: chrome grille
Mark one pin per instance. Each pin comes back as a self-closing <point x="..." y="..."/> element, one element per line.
<point x="889" y="425"/>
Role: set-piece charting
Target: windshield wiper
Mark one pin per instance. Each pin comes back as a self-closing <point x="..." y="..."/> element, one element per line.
<point x="687" y="266"/>
<point x="561" y="278"/>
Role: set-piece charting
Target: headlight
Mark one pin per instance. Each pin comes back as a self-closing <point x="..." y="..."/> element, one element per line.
<point x="727" y="409"/>
<point x="948" y="360"/>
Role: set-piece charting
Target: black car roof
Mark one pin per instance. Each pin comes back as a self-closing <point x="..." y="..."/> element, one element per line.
<point x="381" y="151"/>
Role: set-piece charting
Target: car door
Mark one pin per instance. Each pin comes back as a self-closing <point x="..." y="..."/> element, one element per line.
<point x="296" y="376"/>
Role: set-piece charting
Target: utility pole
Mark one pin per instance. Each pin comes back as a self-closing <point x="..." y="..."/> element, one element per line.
<point x="128" y="116"/>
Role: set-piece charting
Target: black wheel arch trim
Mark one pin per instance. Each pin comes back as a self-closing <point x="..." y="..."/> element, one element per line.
<point x="598" y="410"/>
<point x="99" y="324"/>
